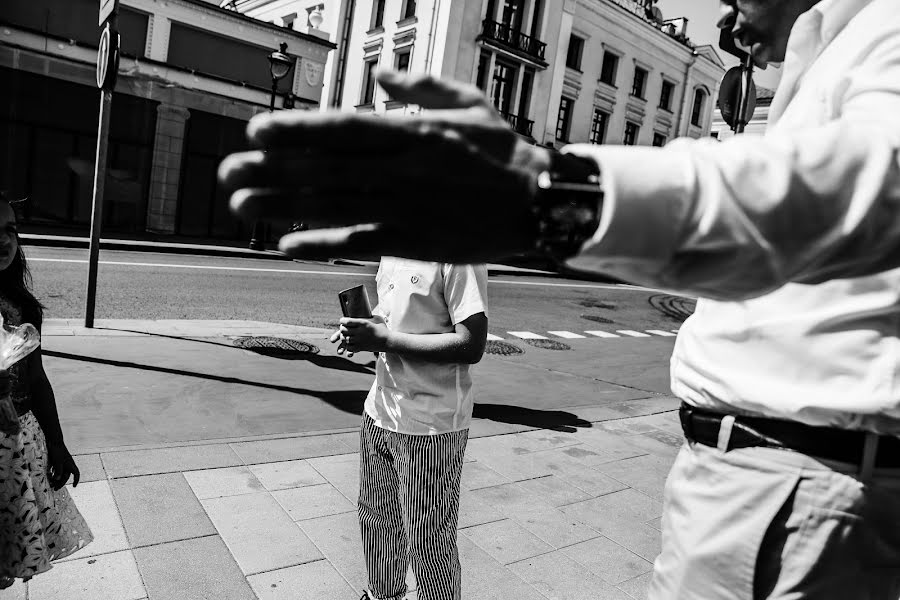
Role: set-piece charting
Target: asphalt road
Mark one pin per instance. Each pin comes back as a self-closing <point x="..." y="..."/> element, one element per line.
<point x="140" y="285"/>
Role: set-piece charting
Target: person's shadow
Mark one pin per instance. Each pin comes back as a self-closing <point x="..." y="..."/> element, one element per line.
<point x="555" y="420"/>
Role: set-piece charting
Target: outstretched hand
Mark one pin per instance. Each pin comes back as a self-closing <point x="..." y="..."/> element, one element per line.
<point x="453" y="183"/>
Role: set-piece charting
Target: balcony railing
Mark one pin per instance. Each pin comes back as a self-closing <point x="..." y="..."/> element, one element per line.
<point x="506" y="35"/>
<point x="518" y="124"/>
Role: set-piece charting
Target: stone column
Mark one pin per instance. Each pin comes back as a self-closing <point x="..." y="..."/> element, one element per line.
<point x="165" y="176"/>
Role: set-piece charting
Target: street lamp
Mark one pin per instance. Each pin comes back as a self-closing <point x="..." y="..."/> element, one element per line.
<point x="279" y="66"/>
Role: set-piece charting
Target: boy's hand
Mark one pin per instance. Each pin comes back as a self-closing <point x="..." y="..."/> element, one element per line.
<point x="363" y="335"/>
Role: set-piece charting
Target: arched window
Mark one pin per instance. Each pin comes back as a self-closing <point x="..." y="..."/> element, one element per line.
<point x="699" y="104"/>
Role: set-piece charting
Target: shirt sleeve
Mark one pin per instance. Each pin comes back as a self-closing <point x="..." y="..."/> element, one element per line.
<point x="736" y="219"/>
<point x="465" y="291"/>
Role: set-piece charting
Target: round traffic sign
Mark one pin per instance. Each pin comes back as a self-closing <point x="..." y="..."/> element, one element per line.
<point x="730" y="96"/>
<point x="108" y="58"/>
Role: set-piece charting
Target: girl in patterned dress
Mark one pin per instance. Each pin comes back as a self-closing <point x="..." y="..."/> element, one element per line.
<point x="38" y="519"/>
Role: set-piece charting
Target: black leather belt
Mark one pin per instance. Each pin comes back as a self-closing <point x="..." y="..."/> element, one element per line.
<point x="842" y="445"/>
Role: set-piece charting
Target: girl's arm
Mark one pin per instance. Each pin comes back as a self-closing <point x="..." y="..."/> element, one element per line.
<point x="43" y="405"/>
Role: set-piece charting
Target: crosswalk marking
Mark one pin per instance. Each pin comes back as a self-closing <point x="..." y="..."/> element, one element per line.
<point x="526" y="335"/>
<point x="494" y="338"/>
<point x="567" y="335"/>
<point x="631" y="333"/>
<point x="602" y="334"/>
<point x="660" y="332"/>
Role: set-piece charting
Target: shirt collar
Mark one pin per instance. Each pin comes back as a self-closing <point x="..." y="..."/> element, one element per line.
<point x="832" y="16"/>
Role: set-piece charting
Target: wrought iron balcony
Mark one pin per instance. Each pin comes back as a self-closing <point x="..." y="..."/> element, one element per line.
<point x="516" y="40"/>
<point x="518" y="124"/>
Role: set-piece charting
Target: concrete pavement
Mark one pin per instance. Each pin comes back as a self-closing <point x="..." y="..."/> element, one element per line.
<point x="210" y="471"/>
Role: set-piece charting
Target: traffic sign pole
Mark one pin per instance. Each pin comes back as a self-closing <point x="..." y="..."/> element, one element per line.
<point x="107" y="69"/>
<point x="746" y="89"/>
<point x="97" y="205"/>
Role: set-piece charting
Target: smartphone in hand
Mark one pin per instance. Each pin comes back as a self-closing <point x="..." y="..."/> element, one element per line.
<point x="355" y="302"/>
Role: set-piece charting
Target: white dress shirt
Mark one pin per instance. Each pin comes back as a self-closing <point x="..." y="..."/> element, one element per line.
<point x="411" y="395"/>
<point x="792" y="239"/>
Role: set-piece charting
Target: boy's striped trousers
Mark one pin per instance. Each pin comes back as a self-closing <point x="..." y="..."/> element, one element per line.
<point x="408" y="510"/>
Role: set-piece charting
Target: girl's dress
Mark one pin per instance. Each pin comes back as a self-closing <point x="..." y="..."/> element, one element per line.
<point x="37" y="524"/>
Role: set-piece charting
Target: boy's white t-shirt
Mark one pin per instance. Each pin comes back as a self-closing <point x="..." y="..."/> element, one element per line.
<point x="410" y="395"/>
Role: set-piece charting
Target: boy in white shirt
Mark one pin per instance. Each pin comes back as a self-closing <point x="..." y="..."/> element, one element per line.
<point x="429" y="326"/>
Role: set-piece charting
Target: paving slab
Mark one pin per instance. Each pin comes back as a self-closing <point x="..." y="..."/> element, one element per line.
<point x="558" y="577"/>
<point x="259" y="534"/>
<point x="622" y="517"/>
<point x="96" y="504"/>
<point x="266" y="451"/>
<point x="342" y="472"/>
<point x="112" y="576"/>
<point x="286" y="474"/>
<point x="539" y="517"/>
<point x="478" y="475"/>
<point x="159" y="508"/>
<point x="196" y="569"/>
<point x="18" y="591"/>
<point x="313" y="501"/>
<point x="311" y="581"/>
<point x="506" y="541"/>
<point x="608" y="560"/>
<point x="484" y="578"/>
<point x="646" y="473"/>
<point x="554" y="490"/>
<point x="229" y="481"/>
<point x="91" y="467"/>
<point x="637" y="588"/>
<point x="133" y="463"/>
<point x="575" y="473"/>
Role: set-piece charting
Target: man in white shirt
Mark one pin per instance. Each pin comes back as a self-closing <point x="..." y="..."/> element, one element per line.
<point x="429" y="326"/>
<point x="790" y="368"/>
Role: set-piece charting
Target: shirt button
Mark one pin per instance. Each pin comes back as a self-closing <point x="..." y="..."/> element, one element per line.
<point x="390" y="287"/>
<point x="380" y="388"/>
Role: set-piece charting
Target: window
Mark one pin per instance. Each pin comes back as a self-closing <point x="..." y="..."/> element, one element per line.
<point x="631" y="133"/>
<point x="377" y="14"/>
<point x="484" y="62"/>
<point x="564" y="119"/>
<point x="659" y="139"/>
<point x="697" y="111"/>
<point x="639" y="83"/>
<point x="401" y="60"/>
<point x="609" y="68"/>
<point x="598" y="126"/>
<point x="573" y="56"/>
<point x="503" y="86"/>
<point x="409" y="10"/>
<point x="368" y="86"/>
<point x="525" y="94"/>
<point x="512" y="14"/>
<point x="665" y="95"/>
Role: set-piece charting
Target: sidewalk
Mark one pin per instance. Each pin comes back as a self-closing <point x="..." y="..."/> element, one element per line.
<point x="569" y="513"/>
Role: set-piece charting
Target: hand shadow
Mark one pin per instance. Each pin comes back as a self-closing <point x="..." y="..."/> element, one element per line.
<point x="341" y="364"/>
<point x="555" y="420"/>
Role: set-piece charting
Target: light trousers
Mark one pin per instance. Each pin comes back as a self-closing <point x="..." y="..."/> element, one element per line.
<point x="409" y="509"/>
<point x="762" y="523"/>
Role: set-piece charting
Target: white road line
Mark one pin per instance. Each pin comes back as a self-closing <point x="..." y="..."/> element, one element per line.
<point x="568" y="335"/>
<point x="207" y="267"/>
<point x="631" y="333"/>
<point x="494" y="338"/>
<point x="602" y="334"/>
<point x="526" y="335"/>
<point x="660" y="332"/>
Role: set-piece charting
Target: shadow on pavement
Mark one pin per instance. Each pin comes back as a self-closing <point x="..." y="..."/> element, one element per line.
<point x="352" y="401"/>
<point x="555" y="420"/>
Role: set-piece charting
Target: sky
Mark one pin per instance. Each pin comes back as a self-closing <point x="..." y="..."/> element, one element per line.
<point x="702" y="16"/>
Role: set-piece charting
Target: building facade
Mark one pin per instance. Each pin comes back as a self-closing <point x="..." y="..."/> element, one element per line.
<point x="191" y="75"/>
<point x="560" y="71"/>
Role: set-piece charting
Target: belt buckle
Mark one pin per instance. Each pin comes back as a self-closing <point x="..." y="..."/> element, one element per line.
<point x="686" y="415"/>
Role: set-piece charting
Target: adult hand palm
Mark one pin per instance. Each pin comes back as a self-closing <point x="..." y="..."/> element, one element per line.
<point x="453" y="183"/>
